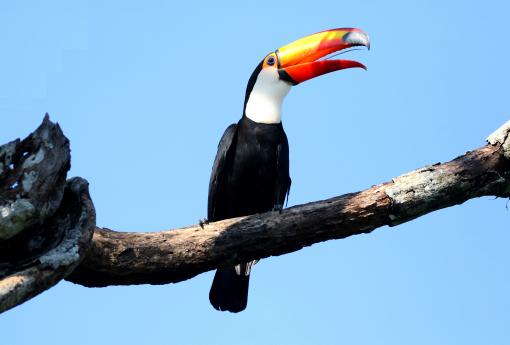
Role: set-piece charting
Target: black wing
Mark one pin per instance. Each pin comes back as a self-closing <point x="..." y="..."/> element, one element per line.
<point x="283" y="180"/>
<point x="219" y="174"/>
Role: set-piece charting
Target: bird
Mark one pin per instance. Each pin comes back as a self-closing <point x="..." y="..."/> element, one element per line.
<point x="250" y="173"/>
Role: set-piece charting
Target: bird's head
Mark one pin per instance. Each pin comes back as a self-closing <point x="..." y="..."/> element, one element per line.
<point x="294" y="63"/>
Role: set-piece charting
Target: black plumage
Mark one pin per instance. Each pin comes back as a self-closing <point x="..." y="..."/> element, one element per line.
<point x="250" y="175"/>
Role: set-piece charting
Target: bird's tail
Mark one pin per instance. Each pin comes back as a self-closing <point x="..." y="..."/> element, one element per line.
<point x="229" y="289"/>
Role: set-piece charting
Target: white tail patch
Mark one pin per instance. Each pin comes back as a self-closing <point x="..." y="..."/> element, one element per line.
<point x="245" y="267"/>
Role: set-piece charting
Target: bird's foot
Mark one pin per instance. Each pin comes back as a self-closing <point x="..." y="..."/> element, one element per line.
<point x="203" y="222"/>
<point x="278" y="207"/>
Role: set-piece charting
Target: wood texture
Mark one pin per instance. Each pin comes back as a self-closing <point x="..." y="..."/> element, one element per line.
<point x="122" y="258"/>
<point x="46" y="223"/>
<point x="75" y="220"/>
<point x="32" y="178"/>
<point x="48" y="240"/>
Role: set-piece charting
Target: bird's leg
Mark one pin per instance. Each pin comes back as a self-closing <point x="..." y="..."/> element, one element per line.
<point x="278" y="207"/>
<point x="203" y="222"/>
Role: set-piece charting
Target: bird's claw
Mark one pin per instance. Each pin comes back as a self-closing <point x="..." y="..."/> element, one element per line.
<point x="203" y="222"/>
<point x="278" y="207"/>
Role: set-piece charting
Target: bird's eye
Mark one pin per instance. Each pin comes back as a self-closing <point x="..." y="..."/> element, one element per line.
<point x="270" y="61"/>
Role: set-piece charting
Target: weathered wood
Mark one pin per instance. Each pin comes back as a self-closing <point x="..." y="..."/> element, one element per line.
<point x="500" y="136"/>
<point x="75" y="220"/>
<point x="122" y="258"/>
<point x="33" y="257"/>
<point x="32" y="178"/>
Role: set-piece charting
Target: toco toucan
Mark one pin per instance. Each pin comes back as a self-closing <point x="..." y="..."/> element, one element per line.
<point x="250" y="173"/>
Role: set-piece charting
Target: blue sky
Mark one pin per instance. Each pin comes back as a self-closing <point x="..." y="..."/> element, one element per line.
<point x="144" y="91"/>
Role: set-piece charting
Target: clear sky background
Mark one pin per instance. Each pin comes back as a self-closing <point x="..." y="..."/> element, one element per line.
<point x="144" y="91"/>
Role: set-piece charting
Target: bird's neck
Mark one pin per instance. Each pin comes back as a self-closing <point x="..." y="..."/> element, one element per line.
<point x="265" y="100"/>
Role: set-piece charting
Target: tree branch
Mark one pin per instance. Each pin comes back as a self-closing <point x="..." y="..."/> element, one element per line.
<point x="32" y="178"/>
<point x="75" y="220"/>
<point x="122" y="258"/>
<point x="41" y="244"/>
<point x="46" y="223"/>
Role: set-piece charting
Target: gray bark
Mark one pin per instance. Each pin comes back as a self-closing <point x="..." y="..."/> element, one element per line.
<point x="32" y="178"/>
<point x="75" y="220"/>
<point x="46" y="224"/>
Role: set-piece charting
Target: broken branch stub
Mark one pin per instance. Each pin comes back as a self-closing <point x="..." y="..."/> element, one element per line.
<point x="32" y="178"/>
<point x="75" y="221"/>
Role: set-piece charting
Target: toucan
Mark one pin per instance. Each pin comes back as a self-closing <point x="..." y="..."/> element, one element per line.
<point x="250" y="173"/>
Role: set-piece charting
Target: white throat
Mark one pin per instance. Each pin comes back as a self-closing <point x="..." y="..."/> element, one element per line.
<point x="265" y="101"/>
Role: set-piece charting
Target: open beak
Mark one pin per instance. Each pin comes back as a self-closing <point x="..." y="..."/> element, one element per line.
<point x="302" y="59"/>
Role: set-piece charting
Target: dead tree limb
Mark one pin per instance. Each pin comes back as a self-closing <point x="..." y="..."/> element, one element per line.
<point x="122" y="258"/>
<point x="46" y="224"/>
<point x="32" y="178"/>
<point x="46" y="240"/>
<point x="75" y="221"/>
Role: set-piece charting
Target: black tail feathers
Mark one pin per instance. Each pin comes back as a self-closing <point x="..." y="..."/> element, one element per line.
<point x="229" y="289"/>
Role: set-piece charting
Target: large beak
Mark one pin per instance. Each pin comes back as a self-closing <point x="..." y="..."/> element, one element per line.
<point x="301" y="59"/>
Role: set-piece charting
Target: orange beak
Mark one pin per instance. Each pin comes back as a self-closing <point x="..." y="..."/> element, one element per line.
<point x="302" y="59"/>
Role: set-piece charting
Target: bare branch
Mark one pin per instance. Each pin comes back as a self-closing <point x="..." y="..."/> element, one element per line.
<point x="38" y="247"/>
<point x="75" y="220"/>
<point x="32" y="178"/>
<point x="500" y="136"/>
<point x="46" y="224"/>
<point x="122" y="258"/>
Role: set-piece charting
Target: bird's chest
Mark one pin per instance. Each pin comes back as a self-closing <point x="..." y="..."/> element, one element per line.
<point x="255" y="159"/>
<point x="252" y="180"/>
